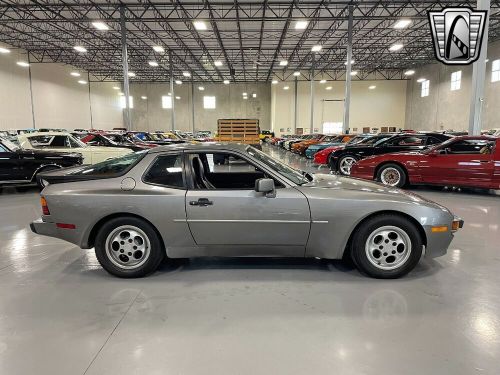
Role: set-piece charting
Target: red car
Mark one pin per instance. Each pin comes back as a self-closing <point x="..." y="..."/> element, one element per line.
<point x="469" y="161"/>
<point x="321" y="157"/>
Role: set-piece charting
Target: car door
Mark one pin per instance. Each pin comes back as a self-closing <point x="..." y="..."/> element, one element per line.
<point x="9" y="165"/>
<point x="465" y="162"/>
<point x="231" y="212"/>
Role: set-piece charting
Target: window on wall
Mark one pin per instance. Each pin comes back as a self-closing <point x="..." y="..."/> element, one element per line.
<point x="166" y="102"/>
<point x="332" y="127"/>
<point x="209" y="102"/>
<point x="425" y="88"/>
<point x="456" y="78"/>
<point x="495" y="71"/>
<point x="130" y="102"/>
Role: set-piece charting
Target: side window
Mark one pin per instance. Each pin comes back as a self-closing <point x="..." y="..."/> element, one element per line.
<point x="40" y="141"/>
<point x="411" y="141"/>
<point x="433" y="141"/>
<point x="60" y="141"/>
<point x="471" y="146"/>
<point x="2" y="149"/>
<point x="166" y="170"/>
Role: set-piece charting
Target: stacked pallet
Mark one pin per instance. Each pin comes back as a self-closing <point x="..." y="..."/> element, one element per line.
<point x="238" y="130"/>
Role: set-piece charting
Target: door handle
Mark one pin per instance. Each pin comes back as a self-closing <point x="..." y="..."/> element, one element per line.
<point x="202" y="202"/>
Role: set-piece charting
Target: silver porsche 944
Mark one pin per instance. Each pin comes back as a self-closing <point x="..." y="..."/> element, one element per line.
<point x="232" y="200"/>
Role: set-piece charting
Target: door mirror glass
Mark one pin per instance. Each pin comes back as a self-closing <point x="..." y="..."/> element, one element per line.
<point x="265" y="185"/>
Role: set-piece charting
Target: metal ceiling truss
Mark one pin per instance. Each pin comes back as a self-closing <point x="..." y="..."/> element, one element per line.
<point x="249" y="37"/>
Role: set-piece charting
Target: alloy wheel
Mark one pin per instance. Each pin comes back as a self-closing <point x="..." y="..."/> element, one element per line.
<point x="388" y="247"/>
<point x="127" y="247"/>
<point x="345" y="165"/>
<point x="390" y="176"/>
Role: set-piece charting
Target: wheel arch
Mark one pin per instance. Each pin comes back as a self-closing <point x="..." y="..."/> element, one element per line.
<point x="45" y="166"/>
<point x="398" y="163"/>
<point x="420" y="228"/>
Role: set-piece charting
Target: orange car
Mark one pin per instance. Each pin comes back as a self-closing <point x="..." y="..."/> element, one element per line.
<point x="300" y="147"/>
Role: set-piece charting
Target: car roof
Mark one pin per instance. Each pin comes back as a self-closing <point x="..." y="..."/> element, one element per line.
<point x="45" y="133"/>
<point x="215" y="146"/>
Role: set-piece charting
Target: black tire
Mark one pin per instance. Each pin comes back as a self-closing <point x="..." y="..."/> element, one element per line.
<point x="150" y="263"/>
<point x="408" y="260"/>
<point x="342" y="159"/>
<point x="398" y="172"/>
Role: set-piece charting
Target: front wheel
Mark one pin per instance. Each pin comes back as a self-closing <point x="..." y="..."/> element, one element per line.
<point x="345" y="164"/>
<point x="392" y="175"/>
<point x="386" y="246"/>
<point x="129" y="247"/>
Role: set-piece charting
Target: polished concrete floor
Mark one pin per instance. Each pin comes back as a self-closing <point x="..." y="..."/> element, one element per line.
<point x="60" y="313"/>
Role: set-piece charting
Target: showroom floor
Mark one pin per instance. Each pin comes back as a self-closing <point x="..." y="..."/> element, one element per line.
<point x="60" y="313"/>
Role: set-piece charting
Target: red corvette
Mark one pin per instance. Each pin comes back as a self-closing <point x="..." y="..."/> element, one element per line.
<point x="472" y="161"/>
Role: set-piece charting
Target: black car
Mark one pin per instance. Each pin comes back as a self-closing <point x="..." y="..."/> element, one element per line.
<point x="19" y="166"/>
<point x="341" y="160"/>
<point x="111" y="140"/>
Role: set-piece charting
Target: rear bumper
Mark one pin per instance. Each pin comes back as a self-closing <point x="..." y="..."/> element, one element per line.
<point x="49" y="229"/>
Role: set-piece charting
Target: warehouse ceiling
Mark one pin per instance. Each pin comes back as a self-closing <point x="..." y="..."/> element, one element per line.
<point x="243" y="41"/>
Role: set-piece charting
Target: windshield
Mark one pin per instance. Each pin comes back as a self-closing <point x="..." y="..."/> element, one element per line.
<point x="112" y="166"/>
<point x="10" y="145"/>
<point x="292" y="174"/>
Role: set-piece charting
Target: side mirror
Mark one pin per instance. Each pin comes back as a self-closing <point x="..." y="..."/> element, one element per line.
<point x="266" y="186"/>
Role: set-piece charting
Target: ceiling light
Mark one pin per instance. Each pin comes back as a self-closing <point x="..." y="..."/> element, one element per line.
<point x="121" y="93"/>
<point x="296" y="74"/>
<point x="200" y="25"/>
<point x="158" y="49"/>
<point x="409" y="72"/>
<point x="116" y="88"/>
<point x="286" y="88"/>
<point x="24" y="64"/>
<point x="178" y="97"/>
<point x="352" y="62"/>
<point x="395" y="47"/>
<point x="301" y="25"/>
<point x="100" y="25"/>
<point x="226" y="82"/>
<point x="372" y="87"/>
<point x="80" y="49"/>
<point x="4" y="50"/>
<point x="420" y="80"/>
<point x="322" y="81"/>
<point x="353" y="73"/>
<point x="245" y="97"/>
<point x="131" y="74"/>
<point x="186" y="74"/>
<point x="254" y="95"/>
<point x="218" y="63"/>
<point x="316" y="48"/>
<point x="82" y="82"/>
<point x="153" y="63"/>
<point x="75" y="74"/>
<point x="178" y="82"/>
<point x="401" y="24"/>
<point x="245" y="94"/>
<point x="328" y="88"/>
<point x="144" y="97"/>
<point x="274" y="82"/>
<point x="201" y="88"/>
<point x="486" y="60"/>
<point x="283" y="62"/>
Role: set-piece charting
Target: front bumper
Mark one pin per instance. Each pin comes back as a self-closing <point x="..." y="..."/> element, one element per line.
<point x="438" y="242"/>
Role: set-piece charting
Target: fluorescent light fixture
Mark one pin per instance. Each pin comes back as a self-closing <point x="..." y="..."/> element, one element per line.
<point x="200" y="25"/>
<point x="4" y="50"/>
<point x="218" y="63"/>
<point x="75" y="74"/>
<point x="131" y="74"/>
<point x="322" y="81"/>
<point x="352" y="62"/>
<point x="121" y="93"/>
<point x="80" y="49"/>
<point x="409" y="72"/>
<point x="274" y="82"/>
<point x="245" y="97"/>
<point x="153" y="63"/>
<point x="144" y="97"/>
<point x="486" y="60"/>
<point x="372" y="87"/>
<point x="401" y="24"/>
<point x="178" y="82"/>
<point x="316" y="48"/>
<point x="353" y="73"/>
<point x="158" y="49"/>
<point x="395" y="47"/>
<point x="201" y="88"/>
<point x="82" y="82"/>
<point x="226" y="82"/>
<point x="420" y="80"/>
<point x="254" y="95"/>
<point x="328" y="87"/>
<point x="24" y="64"/>
<point x="286" y="88"/>
<point x="99" y="25"/>
<point x="301" y="25"/>
<point x="116" y="88"/>
<point x="245" y="94"/>
<point x="186" y="74"/>
<point x="283" y="62"/>
<point x="296" y="74"/>
<point x="178" y="97"/>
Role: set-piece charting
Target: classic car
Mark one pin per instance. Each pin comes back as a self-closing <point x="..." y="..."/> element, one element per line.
<point x="337" y="140"/>
<point x="18" y="166"/>
<point x="287" y="145"/>
<point x="341" y="161"/>
<point x="177" y="202"/>
<point x="301" y="147"/>
<point x="153" y="138"/>
<point x="65" y="142"/>
<point x="265" y="135"/>
<point x="112" y="140"/>
<point x="472" y="161"/>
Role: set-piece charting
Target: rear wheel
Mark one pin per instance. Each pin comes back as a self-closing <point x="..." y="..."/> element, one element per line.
<point x="129" y="247"/>
<point x="392" y="175"/>
<point x="386" y="247"/>
<point x="345" y="164"/>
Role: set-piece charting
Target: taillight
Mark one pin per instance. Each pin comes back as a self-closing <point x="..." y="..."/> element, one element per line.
<point x="45" y="207"/>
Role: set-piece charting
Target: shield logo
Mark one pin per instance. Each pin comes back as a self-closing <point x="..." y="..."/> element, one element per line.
<point x="457" y="34"/>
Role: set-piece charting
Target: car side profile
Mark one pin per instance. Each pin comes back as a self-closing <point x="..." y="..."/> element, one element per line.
<point x="178" y="201"/>
<point x="468" y="161"/>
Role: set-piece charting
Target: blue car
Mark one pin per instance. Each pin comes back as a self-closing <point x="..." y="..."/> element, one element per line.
<point x="334" y="141"/>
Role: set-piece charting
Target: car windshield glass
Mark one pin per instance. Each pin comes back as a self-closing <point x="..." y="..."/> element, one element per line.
<point x="112" y="166"/>
<point x="292" y="174"/>
<point x="378" y="140"/>
<point x="10" y="145"/>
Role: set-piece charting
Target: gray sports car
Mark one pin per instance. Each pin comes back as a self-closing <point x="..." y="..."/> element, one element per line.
<point x="188" y="200"/>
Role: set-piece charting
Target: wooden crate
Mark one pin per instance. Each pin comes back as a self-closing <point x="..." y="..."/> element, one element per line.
<point x="238" y="130"/>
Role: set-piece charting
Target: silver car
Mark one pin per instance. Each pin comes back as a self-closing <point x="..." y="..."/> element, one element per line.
<point x="232" y="200"/>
